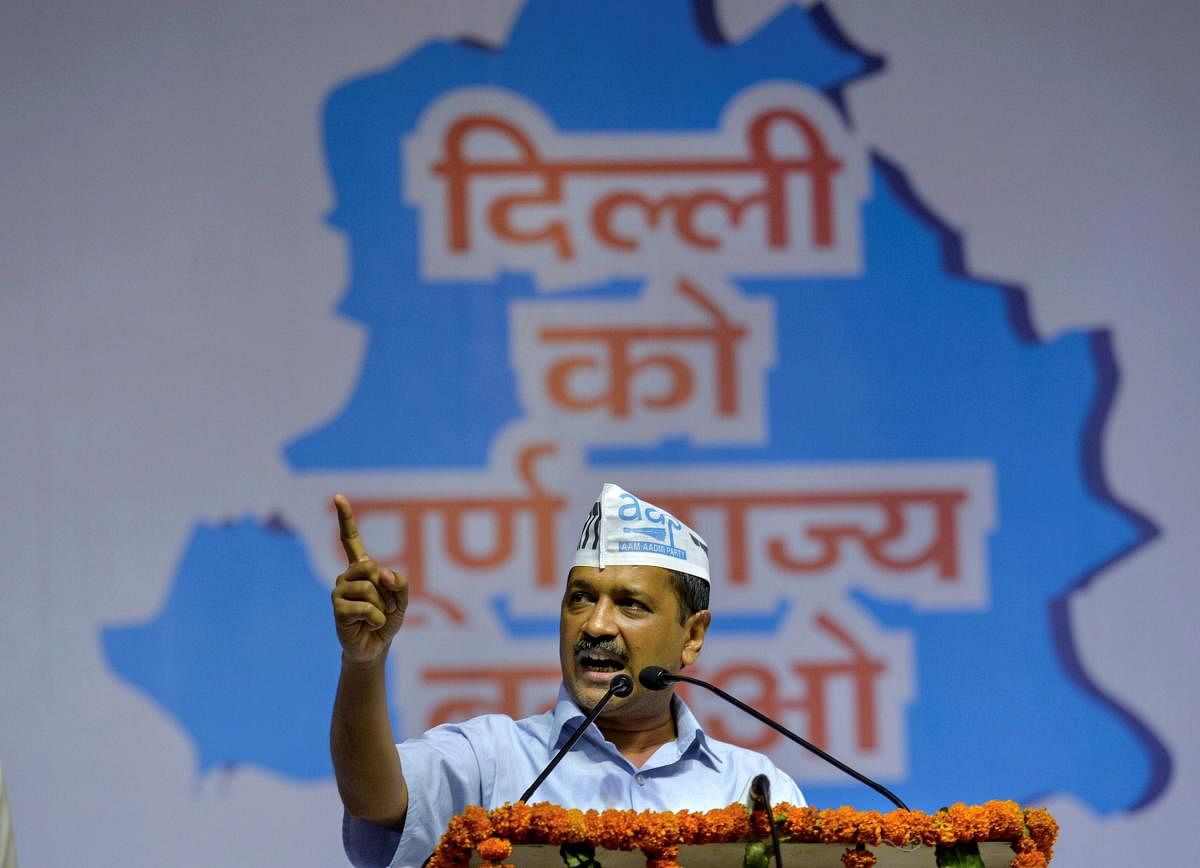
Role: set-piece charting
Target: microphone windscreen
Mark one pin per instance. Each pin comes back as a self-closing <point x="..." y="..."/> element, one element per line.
<point x="760" y="790"/>
<point x="654" y="678"/>
<point x="622" y="685"/>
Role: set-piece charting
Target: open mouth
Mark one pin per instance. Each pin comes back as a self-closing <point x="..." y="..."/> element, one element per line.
<point x="599" y="663"/>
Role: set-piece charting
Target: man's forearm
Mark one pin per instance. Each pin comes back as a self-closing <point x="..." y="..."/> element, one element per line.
<point x="365" y="762"/>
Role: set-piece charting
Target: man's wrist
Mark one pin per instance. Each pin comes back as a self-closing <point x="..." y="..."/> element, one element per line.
<point x="356" y="666"/>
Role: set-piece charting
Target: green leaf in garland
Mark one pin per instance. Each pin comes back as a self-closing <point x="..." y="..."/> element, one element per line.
<point x="579" y="854"/>
<point x="959" y="856"/>
<point x="756" y="855"/>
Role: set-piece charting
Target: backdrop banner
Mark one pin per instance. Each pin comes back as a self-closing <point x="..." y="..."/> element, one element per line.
<point x="467" y="263"/>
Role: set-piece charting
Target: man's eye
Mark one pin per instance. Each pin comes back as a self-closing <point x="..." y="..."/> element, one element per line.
<point x="577" y="597"/>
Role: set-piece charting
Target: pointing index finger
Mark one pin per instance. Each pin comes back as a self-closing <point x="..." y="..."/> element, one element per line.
<point x="348" y="528"/>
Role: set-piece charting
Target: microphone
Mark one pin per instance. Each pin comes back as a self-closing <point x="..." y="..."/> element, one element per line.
<point x="621" y="685"/>
<point x="657" y="678"/>
<point x="760" y="794"/>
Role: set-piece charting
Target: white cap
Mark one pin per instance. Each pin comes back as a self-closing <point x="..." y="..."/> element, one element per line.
<point x="623" y="529"/>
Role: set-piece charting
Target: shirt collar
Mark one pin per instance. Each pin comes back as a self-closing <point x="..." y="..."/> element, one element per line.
<point x="567" y="716"/>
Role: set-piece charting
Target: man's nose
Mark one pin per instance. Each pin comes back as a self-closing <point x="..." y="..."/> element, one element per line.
<point x="600" y="622"/>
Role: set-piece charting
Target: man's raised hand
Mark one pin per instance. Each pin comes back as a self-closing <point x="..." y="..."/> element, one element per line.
<point x="368" y="600"/>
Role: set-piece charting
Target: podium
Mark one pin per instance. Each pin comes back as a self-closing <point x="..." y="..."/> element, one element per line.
<point x="997" y="834"/>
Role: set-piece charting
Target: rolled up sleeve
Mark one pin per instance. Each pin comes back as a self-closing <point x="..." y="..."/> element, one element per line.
<point x="442" y="772"/>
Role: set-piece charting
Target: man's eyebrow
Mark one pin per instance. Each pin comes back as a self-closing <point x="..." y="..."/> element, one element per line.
<point x="616" y="590"/>
<point x="626" y="591"/>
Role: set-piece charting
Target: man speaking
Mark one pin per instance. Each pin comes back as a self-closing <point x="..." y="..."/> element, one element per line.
<point x="636" y="596"/>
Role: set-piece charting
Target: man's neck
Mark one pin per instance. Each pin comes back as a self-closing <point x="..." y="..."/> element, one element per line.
<point x="638" y="739"/>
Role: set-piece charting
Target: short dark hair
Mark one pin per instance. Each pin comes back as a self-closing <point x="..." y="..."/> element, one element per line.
<point x="692" y="593"/>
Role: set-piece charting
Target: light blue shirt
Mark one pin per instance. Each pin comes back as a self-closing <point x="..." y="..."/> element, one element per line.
<point x="490" y="760"/>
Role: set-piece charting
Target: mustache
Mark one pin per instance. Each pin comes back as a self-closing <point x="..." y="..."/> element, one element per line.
<point x="606" y="645"/>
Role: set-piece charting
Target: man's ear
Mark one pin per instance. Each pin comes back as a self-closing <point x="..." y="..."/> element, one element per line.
<point x="694" y="630"/>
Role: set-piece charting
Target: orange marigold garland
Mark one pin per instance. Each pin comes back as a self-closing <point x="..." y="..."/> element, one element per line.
<point x="1031" y="832"/>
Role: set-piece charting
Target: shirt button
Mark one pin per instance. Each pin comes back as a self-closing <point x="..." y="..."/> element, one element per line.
<point x="641" y="780"/>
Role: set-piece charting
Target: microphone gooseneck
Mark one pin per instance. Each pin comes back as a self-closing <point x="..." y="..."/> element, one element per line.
<point x="621" y="685"/>
<point x="760" y="793"/>
<point x="658" y="678"/>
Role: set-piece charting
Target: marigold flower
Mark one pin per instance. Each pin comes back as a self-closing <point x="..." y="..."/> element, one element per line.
<point x="477" y="821"/>
<point x="970" y="822"/>
<point x="837" y="825"/>
<point x="614" y="830"/>
<point x="550" y="824"/>
<point x="446" y="856"/>
<point x="799" y="824"/>
<point x="854" y="858"/>
<point x="657" y="832"/>
<point x="723" y="825"/>
<point x="495" y="849"/>
<point x="869" y="828"/>
<point x="1024" y="844"/>
<point x="1043" y="829"/>
<point x="1029" y="859"/>
<point x="512" y="822"/>
<point x="575" y="826"/>
<point x="901" y="828"/>
<point x="941" y="831"/>
<point x="1003" y="821"/>
<point x="467" y="829"/>
<point x="689" y="826"/>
